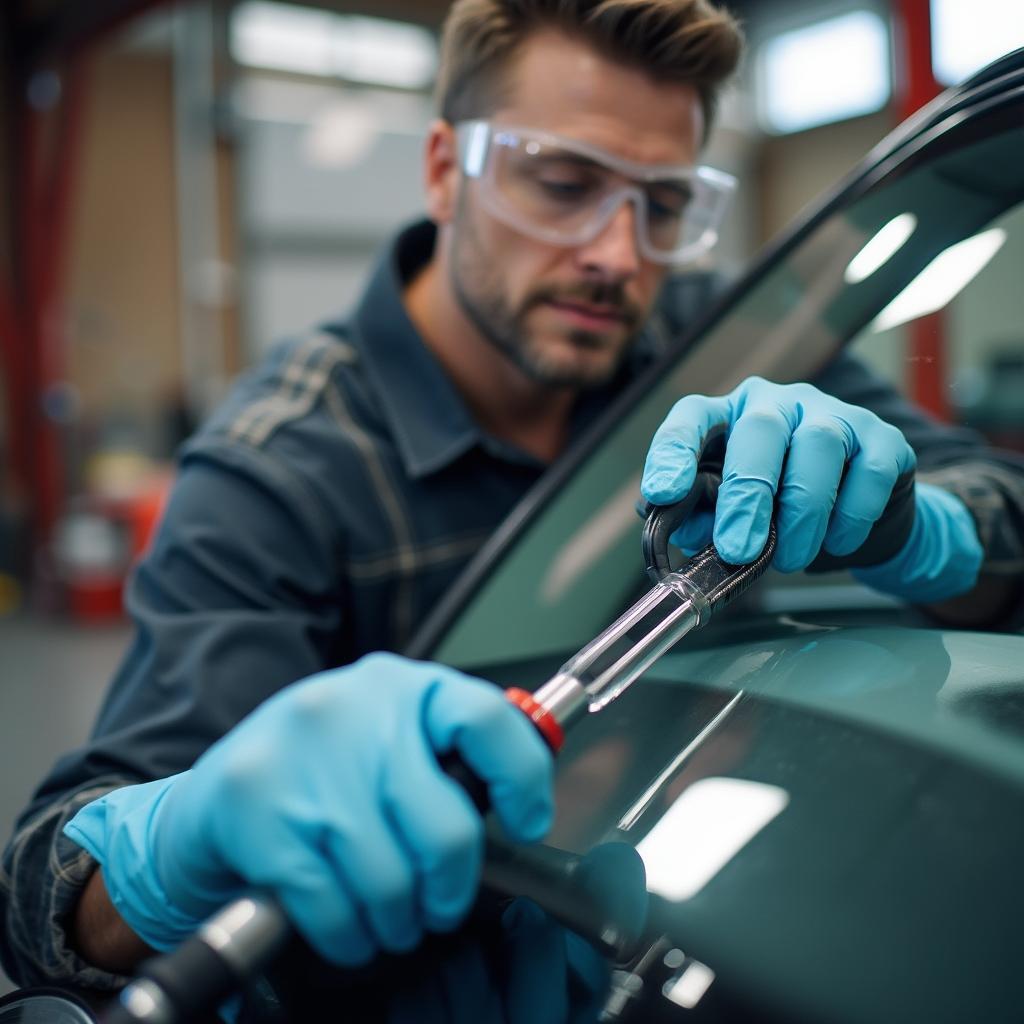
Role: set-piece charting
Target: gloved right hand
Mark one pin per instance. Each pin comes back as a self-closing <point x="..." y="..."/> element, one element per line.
<point x="331" y="796"/>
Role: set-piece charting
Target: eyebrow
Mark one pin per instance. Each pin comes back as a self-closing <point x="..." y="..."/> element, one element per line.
<point x="683" y="188"/>
<point x="577" y="159"/>
<point x="567" y="156"/>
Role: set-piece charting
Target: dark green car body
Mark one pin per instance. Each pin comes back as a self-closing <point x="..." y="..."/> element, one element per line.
<point x="887" y="887"/>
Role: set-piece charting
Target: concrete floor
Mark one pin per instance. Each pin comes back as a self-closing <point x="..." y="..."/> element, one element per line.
<point x="52" y="679"/>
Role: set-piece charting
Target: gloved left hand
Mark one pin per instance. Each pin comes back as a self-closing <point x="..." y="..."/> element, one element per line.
<point x="832" y="467"/>
<point x="533" y="971"/>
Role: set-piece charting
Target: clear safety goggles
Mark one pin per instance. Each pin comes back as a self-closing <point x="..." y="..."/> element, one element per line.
<point x="565" y="192"/>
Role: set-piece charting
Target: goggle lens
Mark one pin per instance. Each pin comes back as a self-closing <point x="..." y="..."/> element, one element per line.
<point x="566" y="192"/>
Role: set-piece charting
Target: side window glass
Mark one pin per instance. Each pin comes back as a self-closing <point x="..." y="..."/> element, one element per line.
<point x="953" y="338"/>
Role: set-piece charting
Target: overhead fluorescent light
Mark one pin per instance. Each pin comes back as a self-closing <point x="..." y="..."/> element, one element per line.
<point x="280" y="37"/>
<point x="385" y="52"/>
<point x="828" y="71"/>
<point x="703" y="830"/>
<point x="942" y="280"/>
<point x="967" y="36"/>
<point x="303" y="40"/>
<point x="881" y="248"/>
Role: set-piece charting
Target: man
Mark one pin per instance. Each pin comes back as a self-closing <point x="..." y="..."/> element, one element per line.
<point x="333" y="499"/>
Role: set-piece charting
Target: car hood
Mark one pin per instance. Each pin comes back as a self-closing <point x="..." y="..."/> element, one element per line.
<point x="831" y="817"/>
<point x="960" y="693"/>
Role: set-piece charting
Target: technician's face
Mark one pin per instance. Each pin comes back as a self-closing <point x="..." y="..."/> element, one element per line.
<point x="565" y="315"/>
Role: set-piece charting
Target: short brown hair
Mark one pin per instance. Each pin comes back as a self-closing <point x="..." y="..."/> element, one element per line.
<point x="671" y="40"/>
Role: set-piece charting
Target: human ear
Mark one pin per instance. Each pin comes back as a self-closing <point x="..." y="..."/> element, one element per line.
<point x="441" y="172"/>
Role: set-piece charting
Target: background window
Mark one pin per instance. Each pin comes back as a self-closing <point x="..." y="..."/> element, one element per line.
<point x="829" y="71"/>
<point x="966" y="36"/>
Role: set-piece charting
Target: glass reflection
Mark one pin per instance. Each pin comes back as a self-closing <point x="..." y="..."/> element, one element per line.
<point x="942" y="280"/>
<point x="689" y="987"/>
<point x="706" y="826"/>
<point x="881" y="248"/>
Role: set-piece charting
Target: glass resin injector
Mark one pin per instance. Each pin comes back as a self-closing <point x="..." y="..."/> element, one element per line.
<point x="681" y="600"/>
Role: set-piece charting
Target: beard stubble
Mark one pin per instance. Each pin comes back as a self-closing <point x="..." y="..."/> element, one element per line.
<point x="477" y="286"/>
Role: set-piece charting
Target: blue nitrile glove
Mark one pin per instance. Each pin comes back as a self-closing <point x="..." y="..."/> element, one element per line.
<point x="550" y="973"/>
<point x="331" y="796"/>
<point x="533" y="971"/>
<point x="810" y="440"/>
<point x="942" y="558"/>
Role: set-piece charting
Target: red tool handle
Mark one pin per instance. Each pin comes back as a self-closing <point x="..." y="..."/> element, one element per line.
<point x="544" y="722"/>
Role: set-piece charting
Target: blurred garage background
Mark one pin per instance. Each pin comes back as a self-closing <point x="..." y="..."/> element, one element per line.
<point x="183" y="183"/>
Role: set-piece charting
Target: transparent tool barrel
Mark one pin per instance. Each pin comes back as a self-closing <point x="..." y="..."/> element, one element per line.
<point x="598" y="673"/>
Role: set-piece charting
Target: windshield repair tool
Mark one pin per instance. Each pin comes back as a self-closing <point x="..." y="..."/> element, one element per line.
<point x="681" y="600"/>
<point x="238" y="942"/>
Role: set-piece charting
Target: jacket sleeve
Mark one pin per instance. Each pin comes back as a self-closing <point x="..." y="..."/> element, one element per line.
<point x="989" y="481"/>
<point x="223" y="617"/>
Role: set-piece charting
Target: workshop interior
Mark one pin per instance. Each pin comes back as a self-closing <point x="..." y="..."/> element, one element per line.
<point x="184" y="185"/>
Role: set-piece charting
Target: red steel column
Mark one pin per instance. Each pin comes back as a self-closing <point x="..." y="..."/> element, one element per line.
<point x="44" y="177"/>
<point x="50" y="183"/>
<point x="915" y="86"/>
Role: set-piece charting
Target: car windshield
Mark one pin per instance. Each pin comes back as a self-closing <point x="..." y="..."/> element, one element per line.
<point x="936" y="222"/>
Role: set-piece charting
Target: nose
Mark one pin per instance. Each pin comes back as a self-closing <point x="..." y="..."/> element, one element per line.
<point x="613" y="254"/>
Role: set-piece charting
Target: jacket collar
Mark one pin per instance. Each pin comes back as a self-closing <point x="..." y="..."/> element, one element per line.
<point x="428" y="418"/>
